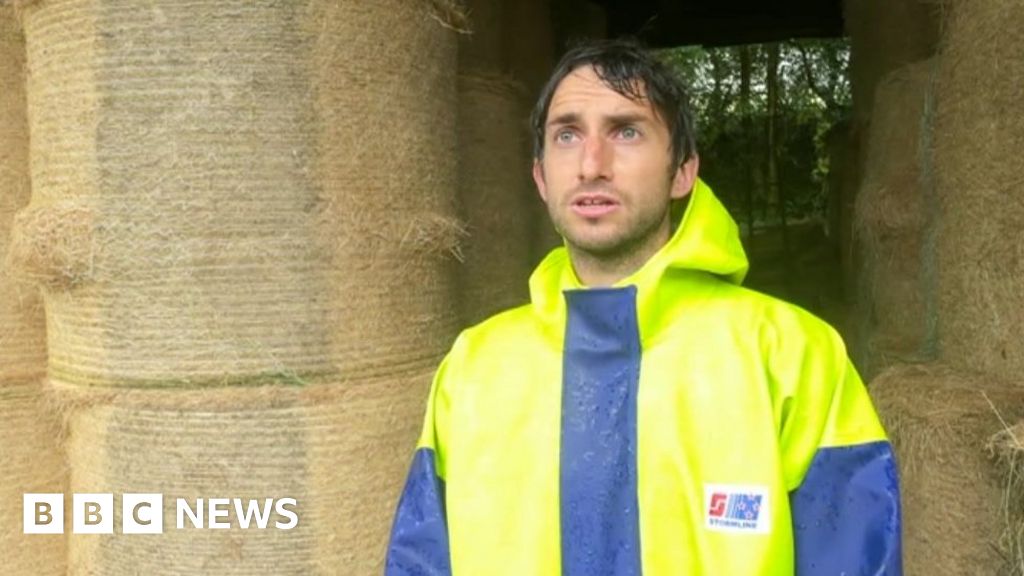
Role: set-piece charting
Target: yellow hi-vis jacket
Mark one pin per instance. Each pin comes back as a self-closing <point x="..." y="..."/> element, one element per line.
<point x="674" y="424"/>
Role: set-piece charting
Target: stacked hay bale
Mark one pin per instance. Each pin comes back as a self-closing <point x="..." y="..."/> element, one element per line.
<point x="529" y="42"/>
<point x="884" y="35"/>
<point x="978" y="135"/>
<point x="940" y="421"/>
<point x="387" y="169"/>
<point x="496" y="194"/>
<point x="894" y="224"/>
<point x="243" y="215"/>
<point x="963" y="511"/>
<point x="498" y="200"/>
<point x="386" y="97"/>
<point x="482" y="48"/>
<point x="530" y="54"/>
<point x="31" y="460"/>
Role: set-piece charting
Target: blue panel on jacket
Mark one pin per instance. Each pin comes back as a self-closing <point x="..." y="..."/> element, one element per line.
<point x="600" y="525"/>
<point x="419" y="536"/>
<point x="846" y="513"/>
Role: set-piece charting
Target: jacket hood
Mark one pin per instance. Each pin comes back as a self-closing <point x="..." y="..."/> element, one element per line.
<point x="706" y="241"/>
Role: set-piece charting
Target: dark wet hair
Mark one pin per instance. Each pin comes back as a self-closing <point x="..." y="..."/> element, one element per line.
<point x="631" y="70"/>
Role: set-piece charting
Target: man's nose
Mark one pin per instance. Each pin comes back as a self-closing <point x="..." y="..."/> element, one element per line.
<point x="596" y="161"/>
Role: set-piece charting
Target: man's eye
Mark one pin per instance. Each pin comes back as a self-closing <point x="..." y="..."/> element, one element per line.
<point x="564" y="136"/>
<point x="629" y="133"/>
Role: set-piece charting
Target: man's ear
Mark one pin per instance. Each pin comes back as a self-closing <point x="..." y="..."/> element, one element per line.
<point x="684" y="178"/>
<point x="538" y="179"/>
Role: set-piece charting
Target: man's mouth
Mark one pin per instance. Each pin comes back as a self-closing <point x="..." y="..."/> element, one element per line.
<point x="594" y="205"/>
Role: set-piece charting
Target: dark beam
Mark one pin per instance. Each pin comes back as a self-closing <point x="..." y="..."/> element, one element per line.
<point x="723" y="22"/>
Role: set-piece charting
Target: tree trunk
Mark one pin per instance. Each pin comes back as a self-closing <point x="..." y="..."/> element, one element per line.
<point x="775" y="189"/>
<point x="746" y="114"/>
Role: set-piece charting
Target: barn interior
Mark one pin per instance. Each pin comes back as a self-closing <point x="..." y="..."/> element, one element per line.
<point x="211" y="210"/>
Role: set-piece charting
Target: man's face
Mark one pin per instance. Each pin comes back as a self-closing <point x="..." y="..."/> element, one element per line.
<point x="607" y="174"/>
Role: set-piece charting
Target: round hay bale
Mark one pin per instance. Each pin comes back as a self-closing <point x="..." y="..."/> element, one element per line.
<point x="31" y="461"/>
<point x="386" y="117"/>
<point x="496" y="193"/>
<point x="340" y="451"/>
<point x="529" y="42"/>
<point x="884" y="35"/>
<point x="254" y="192"/>
<point x="173" y="144"/>
<point x="978" y="135"/>
<point x="894" y="222"/>
<point x="940" y="422"/>
<point x="22" y="325"/>
<point x="481" y="51"/>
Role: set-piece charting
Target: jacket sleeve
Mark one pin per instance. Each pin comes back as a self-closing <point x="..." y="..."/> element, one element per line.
<point x="419" y="533"/>
<point x="840" y="467"/>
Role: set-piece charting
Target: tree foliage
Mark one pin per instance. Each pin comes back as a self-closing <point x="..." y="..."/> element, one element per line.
<point x="732" y="113"/>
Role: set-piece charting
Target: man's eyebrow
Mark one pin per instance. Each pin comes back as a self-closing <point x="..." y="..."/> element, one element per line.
<point x="562" y="119"/>
<point x="613" y="119"/>
<point x="627" y="118"/>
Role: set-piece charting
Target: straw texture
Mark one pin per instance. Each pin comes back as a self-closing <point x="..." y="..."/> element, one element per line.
<point x="22" y="325"/>
<point x="340" y="451"/>
<point x="173" y="145"/>
<point x="978" y="135"/>
<point x="216" y="180"/>
<point x="1007" y="448"/>
<point x="30" y="457"/>
<point x="529" y="42"/>
<point x="244" y="220"/>
<point x="30" y="462"/>
<point x="940" y="422"/>
<point x="895" y="221"/>
<point x="496" y="193"/>
<point x="482" y="50"/>
<point x="385" y="100"/>
<point x="884" y="35"/>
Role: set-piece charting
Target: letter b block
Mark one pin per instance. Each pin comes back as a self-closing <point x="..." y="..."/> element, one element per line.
<point x="43" y="513"/>
<point x="93" y="513"/>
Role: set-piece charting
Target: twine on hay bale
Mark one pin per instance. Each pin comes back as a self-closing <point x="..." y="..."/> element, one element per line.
<point x="940" y="421"/>
<point x="22" y="326"/>
<point x="31" y="461"/>
<point x="894" y="222"/>
<point x="341" y="451"/>
<point x="496" y="191"/>
<point x="385" y="95"/>
<point x="979" y="133"/>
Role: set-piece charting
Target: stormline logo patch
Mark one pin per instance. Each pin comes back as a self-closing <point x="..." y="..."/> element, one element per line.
<point x="144" y="513"/>
<point x="729" y="508"/>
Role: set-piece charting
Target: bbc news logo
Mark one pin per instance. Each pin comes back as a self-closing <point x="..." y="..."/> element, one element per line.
<point x="144" y="513"/>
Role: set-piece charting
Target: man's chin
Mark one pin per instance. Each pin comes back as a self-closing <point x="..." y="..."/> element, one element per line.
<point x="597" y="247"/>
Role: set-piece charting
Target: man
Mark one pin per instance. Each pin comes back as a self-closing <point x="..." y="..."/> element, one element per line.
<point x="644" y="414"/>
